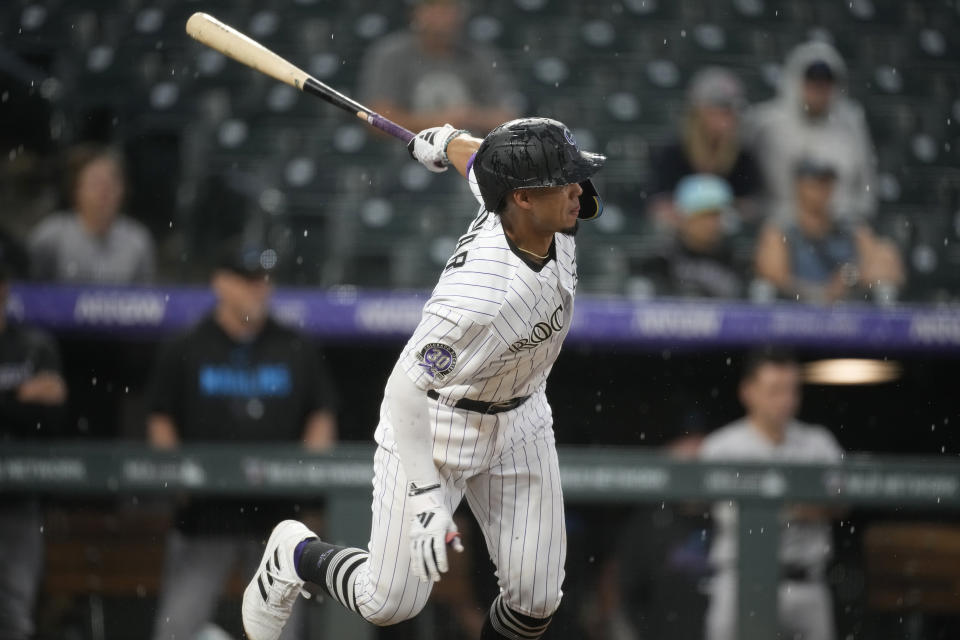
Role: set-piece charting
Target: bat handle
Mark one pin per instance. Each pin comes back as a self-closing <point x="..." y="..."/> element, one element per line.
<point x="387" y="126"/>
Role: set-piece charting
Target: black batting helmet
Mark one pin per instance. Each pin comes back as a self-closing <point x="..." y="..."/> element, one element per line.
<point x="535" y="152"/>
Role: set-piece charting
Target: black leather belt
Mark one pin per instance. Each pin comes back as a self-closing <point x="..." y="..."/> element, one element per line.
<point x="483" y="407"/>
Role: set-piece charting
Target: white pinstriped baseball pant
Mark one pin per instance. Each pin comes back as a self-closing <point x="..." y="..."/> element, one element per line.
<point x="506" y="466"/>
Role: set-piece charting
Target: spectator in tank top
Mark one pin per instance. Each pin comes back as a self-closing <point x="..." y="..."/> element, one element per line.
<point x="813" y="257"/>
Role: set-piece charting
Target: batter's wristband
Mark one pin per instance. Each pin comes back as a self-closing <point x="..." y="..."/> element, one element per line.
<point x="453" y="134"/>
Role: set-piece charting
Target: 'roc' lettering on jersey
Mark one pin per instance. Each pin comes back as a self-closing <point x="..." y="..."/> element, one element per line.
<point x="541" y="331"/>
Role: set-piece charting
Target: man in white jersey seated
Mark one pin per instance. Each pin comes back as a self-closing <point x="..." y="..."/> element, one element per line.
<point x="770" y="392"/>
<point x="464" y="412"/>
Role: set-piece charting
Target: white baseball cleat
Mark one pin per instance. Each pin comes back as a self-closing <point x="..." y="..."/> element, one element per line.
<point x="270" y="596"/>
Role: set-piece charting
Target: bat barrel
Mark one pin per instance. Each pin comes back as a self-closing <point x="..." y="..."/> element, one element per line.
<point x="227" y="40"/>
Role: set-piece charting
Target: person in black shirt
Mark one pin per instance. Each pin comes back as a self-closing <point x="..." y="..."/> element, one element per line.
<point x="238" y="376"/>
<point x="697" y="259"/>
<point x="32" y="395"/>
<point x="709" y="142"/>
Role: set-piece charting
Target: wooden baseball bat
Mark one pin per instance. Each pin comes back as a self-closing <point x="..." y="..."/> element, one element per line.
<point x="245" y="50"/>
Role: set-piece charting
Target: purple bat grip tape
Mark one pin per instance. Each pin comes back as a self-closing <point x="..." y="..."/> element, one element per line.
<point x="392" y="128"/>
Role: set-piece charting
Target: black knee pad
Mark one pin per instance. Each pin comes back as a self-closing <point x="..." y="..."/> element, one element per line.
<point x="504" y="623"/>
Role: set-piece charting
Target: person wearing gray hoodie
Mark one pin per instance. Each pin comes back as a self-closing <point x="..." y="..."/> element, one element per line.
<point x="812" y="116"/>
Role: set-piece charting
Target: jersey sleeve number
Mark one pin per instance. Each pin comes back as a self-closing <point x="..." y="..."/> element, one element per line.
<point x="461" y="258"/>
<point x="456" y="261"/>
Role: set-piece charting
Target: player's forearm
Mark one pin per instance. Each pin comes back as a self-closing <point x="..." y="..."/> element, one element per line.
<point x="410" y="418"/>
<point x="460" y="150"/>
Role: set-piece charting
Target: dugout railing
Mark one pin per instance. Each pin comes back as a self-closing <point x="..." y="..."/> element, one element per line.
<point x="594" y="475"/>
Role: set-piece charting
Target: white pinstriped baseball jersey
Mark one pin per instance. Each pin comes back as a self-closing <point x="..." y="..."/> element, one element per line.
<point x="804" y="607"/>
<point x="490" y="332"/>
<point x="495" y="322"/>
<point x="806" y="544"/>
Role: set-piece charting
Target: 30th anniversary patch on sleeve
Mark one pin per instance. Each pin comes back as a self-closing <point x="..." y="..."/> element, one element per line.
<point x="438" y="359"/>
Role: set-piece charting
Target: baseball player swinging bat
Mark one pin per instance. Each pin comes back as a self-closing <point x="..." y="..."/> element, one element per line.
<point x="464" y="413"/>
<point x="245" y="50"/>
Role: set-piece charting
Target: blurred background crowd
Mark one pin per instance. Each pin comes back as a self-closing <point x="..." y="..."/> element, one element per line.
<point x="803" y="151"/>
<point x="863" y="93"/>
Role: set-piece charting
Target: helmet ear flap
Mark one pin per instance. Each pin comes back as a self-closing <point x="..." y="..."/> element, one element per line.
<point x="591" y="205"/>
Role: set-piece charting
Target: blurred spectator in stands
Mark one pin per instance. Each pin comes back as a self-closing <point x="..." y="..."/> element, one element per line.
<point x="93" y="242"/>
<point x="770" y="432"/>
<point x="32" y="395"/>
<point x="238" y="376"/>
<point x="13" y="255"/>
<point x="697" y="259"/>
<point x="814" y="257"/>
<point x="810" y="115"/>
<point x="433" y="74"/>
<point x="708" y="142"/>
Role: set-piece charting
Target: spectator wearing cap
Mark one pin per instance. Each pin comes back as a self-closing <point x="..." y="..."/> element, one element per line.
<point x="811" y="115"/>
<point x="237" y="376"/>
<point x="708" y="142"/>
<point x="814" y="257"/>
<point x="431" y="74"/>
<point x="93" y="243"/>
<point x="697" y="259"/>
<point x="32" y="396"/>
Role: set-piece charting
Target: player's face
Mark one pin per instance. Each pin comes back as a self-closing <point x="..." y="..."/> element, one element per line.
<point x="555" y="209"/>
<point x="247" y="298"/>
<point x="773" y="393"/>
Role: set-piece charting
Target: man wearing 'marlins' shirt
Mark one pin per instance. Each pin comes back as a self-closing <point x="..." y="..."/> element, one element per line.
<point x="237" y="376"/>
